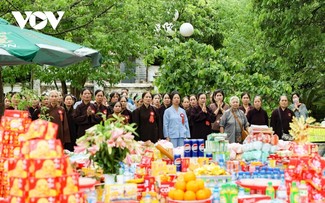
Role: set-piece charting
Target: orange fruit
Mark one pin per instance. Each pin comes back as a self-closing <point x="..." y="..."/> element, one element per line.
<point x="208" y="191"/>
<point x="200" y="183"/>
<point x="188" y="176"/>
<point x="181" y="185"/>
<point x="192" y="186"/>
<point x="189" y="195"/>
<point x="178" y="194"/>
<point x="171" y="193"/>
<point x="202" y="194"/>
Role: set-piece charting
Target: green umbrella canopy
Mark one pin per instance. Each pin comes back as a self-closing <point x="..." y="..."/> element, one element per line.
<point x="22" y="46"/>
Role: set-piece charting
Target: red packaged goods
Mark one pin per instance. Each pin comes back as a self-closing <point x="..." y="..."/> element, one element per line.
<point x="66" y="166"/>
<point x="140" y="189"/>
<point x="40" y="148"/>
<point x="43" y="187"/>
<point x="163" y="189"/>
<point x="17" y="199"/>
<point x="252" y="198"/>
<point x="47" y="168"/>
<point x="19" y="168"/>
<point x="14" y="124"/>
<point x="43" y="200"/>
<point x="7" y="151"/>
<point x="69" y="184"/>
<point x="18" y="187"/>
<point x="73" y="198"/>
<point x="41" y="129"/>
<point x="16" y="113"/>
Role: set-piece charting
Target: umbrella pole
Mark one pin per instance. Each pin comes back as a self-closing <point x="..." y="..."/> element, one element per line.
<point x="2" y="104"/>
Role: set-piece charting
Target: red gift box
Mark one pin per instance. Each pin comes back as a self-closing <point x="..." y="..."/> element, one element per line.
<point x="18" y="187"/>
<point x="42" y="149"/>
<point x="19" y="168"/>
<point x="16" y="113"/>
<point x="69" y="184"/>
<point x="43" y="199"/>
<point x="44" y="187"/>
<point x="47" y="168"/>
<point x="75" y="198"/>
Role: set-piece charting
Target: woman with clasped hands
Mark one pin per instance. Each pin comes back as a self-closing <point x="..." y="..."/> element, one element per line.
<point x="202" y="117"/>
<point x="229" y="123"/>
<point x="218" y="107"/>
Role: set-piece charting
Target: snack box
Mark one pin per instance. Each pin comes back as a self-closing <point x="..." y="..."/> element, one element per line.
<point x="72" y="198"/>
<point x="120" y="192"/>
<point x="69" y="184"/>
<point x="16" y="113"/>
<point x="47" y="168"/>
<point x="42" y="149"/>
<point x="19" y="168"/>
<point x="41" y="129"/>
<point x="44" y="187"/>
<point x="18" y="187"/>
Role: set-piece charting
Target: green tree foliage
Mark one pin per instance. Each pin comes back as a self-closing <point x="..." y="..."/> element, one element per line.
<point x="293" y="33"/>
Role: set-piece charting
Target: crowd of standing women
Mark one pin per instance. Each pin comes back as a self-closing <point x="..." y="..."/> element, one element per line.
<point x="166" y="116"/>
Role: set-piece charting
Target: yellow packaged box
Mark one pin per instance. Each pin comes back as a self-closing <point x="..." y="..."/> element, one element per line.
<point x="120" y="192"/>
<point x="158" y="168"/>
<point x="170" y="169"/>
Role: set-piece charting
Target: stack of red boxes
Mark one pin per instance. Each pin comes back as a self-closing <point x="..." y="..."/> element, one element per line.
<point x="41" y="172"/>
<point x="13" y="123"/>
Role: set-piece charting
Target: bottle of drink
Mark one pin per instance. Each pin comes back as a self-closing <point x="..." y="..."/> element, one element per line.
<point x="294" y="193"/>
<point x="282" y="192"/>
<point x="241" y="192"/>
<point x="216" y="194"/>
<point x="223" y="194"/>
<point x="303" y="192"/>
<point x="270" y="190"/>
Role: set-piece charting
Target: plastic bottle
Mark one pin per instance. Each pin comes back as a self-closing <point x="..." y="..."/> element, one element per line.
<point x="270" y="190"/>
<point x="223" y="194"/>
<point x="91" y="196"/>
<point x="216" y="194"/>
<point x="282" y="192"/>
<point x="146" y="199"/>
<point x="241" y="192"/>
<point x="294" y="193"/>
<point x="303" y="192"/>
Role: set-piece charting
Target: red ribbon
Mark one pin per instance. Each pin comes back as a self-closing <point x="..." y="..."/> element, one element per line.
<point x="152" y="118"/>
<point x="183" y="119"/>
<point x="61" y="115"/>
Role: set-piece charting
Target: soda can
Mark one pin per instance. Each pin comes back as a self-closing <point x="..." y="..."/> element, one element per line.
<point x="187" y="148"/>
<point x="209" y="155"/>
<point x="177" y="162"/>
<point x="185" y="163"/>
<point x="194" y="148"/>
<point x="200" y="143"/>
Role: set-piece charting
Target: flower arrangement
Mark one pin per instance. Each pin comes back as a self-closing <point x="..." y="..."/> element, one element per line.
<point x="109" y="143"/>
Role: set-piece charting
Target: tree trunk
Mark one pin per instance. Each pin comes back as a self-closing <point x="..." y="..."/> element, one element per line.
<point x="64" y="87"/>
<point x="2" y="104"/>
<point x="76" y="92"/>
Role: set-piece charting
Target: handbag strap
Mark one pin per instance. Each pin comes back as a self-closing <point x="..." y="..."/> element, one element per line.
<point x="236" y="117"/>
<point x="280" y="120"/>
